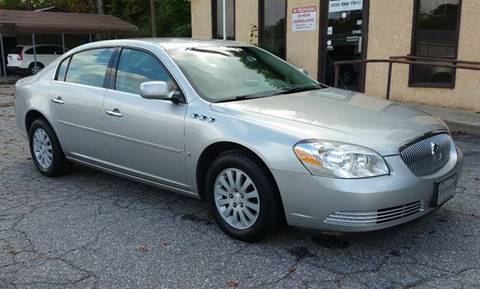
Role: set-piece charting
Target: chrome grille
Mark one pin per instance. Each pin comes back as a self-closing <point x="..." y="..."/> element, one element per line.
<point x="427" y="156"/>
<point x="374" y="217"/>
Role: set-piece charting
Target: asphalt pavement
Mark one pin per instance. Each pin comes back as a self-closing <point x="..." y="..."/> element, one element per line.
<point x="94" y="230"/>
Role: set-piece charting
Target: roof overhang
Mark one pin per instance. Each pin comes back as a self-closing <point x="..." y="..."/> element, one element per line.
<point x="59" y="22"/>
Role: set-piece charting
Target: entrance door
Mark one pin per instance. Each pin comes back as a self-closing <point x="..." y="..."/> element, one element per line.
<point x="344" y="38"/>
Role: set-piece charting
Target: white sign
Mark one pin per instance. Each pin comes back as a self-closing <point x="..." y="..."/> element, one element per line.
<point x="345" y="5"/>
<point x="304" y="18"/>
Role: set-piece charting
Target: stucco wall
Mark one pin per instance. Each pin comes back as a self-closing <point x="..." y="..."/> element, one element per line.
<point x="302" y="47"/>
<point x="246" y="21"/>
<point x="390" y="28"/>
<point x="201" y="11"/>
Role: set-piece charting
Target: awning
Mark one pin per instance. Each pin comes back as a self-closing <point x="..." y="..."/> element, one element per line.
<point x="16" y="21"/>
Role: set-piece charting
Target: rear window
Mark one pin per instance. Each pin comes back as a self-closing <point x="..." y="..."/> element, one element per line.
<point x="89" y="67"/>
<point x="17" y="50"/>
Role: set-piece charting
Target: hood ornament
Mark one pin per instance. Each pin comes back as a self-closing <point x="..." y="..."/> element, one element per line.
<point x="435" y="150"/>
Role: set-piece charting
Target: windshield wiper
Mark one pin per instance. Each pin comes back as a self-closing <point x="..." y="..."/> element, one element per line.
<point x="299" y="89"/>
<point x="237" y="98"/>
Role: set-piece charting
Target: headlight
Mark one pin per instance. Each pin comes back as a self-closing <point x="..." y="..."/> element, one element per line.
<point x="340" y="160"/>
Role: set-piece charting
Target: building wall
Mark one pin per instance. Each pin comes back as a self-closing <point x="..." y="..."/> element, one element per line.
<point x="201" y="11"/>
<point x="390" y="32"/>
<point x="246" y="21"/>
<point x="302" y="47"/>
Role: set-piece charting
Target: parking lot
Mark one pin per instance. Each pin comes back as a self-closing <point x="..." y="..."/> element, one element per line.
<point x="93" y="230"/>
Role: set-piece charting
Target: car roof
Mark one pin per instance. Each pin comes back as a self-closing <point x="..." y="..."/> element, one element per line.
<point x="168" y="43"/>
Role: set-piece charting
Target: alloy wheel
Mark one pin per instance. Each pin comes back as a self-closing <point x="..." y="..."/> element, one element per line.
<point x="236" y="198"/>
<point x="42" y="148"/>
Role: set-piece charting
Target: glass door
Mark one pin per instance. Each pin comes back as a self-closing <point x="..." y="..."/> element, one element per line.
<point x="344" y="40"/>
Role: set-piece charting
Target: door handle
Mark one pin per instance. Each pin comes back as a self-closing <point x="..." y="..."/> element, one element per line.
<point x="58" y="100"/>
<point x="115" y="112"/>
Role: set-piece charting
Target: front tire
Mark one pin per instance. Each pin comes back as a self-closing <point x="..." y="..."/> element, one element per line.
<point x="47" y="154"/>
<point x="242" y="197"/>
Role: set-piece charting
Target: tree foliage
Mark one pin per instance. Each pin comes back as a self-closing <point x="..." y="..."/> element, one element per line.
<point x="173" y="16"/>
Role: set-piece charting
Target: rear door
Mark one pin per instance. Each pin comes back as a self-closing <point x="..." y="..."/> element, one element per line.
<point x="144" y="137"/>
<point x="77" y="96"/>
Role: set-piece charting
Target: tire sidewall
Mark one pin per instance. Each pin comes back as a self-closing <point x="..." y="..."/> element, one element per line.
<point x="269" y="207"/>
<point x="55" y="166"/>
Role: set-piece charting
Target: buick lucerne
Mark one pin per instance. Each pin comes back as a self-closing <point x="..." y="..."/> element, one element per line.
<point x="227" y="122"/>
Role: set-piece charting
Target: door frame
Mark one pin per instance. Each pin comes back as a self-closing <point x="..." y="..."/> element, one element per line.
<point x="322" y="47"/>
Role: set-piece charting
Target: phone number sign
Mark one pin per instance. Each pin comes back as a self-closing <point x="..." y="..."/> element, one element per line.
<point x="345" y="5"/>
<point x="304" y="18"/>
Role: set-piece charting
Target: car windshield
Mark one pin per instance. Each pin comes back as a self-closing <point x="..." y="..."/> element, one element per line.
<point x="221" y="74"/>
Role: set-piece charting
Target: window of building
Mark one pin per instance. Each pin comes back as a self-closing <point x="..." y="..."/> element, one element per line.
<point x="217" y="19"/>
<point x="136" y="67"/>
<point x="89" y="67"/>
<point x="435" y="35"/>
<point x="272" y="30"/>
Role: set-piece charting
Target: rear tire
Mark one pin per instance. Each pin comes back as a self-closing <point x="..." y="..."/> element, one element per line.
<point x="47" y="154"/>
<point x="32" y="70"/>
<point x="242" y="197"/>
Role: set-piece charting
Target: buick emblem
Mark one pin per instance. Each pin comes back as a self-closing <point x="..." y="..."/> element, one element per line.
<point x="435" y="150"/>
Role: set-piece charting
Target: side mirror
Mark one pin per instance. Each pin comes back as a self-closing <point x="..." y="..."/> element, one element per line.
<point x="160" y="90"/>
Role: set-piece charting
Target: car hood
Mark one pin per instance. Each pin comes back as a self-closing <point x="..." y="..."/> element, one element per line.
<point x="340" y="115"/>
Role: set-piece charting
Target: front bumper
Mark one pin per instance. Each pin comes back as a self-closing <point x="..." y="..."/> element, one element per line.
<point x="311" y="201"/>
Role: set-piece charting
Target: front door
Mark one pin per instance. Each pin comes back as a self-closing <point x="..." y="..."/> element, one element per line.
<point x="345" y="39"/>
<point x="144" y="137"/>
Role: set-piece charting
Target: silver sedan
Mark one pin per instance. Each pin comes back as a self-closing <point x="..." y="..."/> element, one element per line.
<point x="230" y="123"/>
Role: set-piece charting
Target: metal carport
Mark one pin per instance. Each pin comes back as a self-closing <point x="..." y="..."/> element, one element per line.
<point x="13" y="22"/>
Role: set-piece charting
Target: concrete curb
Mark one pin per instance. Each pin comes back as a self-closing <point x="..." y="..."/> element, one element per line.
<point x="463" y="127"/>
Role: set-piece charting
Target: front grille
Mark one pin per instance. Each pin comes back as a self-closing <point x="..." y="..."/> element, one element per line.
<point x="374" y="217"/>
<point x="427" y="156"/>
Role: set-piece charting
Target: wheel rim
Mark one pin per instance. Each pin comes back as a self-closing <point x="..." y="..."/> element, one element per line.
<point x="36" y="69"/>
<point x="236" y="198"/>
<point x="42" y="148"/>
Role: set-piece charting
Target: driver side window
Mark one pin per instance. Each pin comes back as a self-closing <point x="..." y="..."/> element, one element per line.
<point x="135" y="67"/>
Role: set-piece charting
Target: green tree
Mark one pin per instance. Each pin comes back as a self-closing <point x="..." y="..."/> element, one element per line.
<point x="172" y="16"/>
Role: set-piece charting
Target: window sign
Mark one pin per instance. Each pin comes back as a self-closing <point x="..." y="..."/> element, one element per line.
<point x="304" y="18"/>
<point x="345" y="5"/>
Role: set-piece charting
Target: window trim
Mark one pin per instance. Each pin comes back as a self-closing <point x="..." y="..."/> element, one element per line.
<point x="261" y="16"/>
<point x="115" y="61"/>
<point x="60" y="65"/>
<point x="105" y="77"/>
<point x="411" y="82"/>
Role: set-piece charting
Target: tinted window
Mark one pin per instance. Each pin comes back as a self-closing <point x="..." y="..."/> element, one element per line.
<point x="89" y="67"/>
<point x="217" y="9"/>
<point x="62" y="70"/>
<point x="17" y="50"/>
<point x="435" y="35"/>
<point x="272" y="26"/>
<point x="136" y="67"/>
<point x="45" y="50"/>
<point x="59" y="50"/>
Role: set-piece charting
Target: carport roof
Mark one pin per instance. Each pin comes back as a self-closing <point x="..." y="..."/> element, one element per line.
<point x="59" y="22"/>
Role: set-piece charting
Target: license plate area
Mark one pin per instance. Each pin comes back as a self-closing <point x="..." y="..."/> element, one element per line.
<point x="444" y="190"/>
